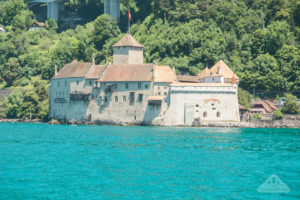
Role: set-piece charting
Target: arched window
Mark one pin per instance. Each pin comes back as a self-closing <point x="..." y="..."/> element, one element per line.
<point x="205" y="114"/>
<point x="218" y="114"/>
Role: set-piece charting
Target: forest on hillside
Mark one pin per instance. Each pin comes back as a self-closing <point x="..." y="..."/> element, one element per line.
<point x="258" y="39"/>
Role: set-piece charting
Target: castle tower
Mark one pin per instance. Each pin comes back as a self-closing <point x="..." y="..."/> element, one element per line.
<point x="128" y="51"/>
<point x="112" y="8"/>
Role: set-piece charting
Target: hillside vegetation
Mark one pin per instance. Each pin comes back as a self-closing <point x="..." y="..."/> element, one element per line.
<point x="258" y="39"/>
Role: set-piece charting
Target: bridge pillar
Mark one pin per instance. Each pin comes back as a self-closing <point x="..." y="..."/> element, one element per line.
<point x="112" y="7"/>
<point x="52" y="10"/>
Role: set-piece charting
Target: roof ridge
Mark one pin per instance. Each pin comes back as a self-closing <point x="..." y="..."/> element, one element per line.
<point x="128" y="40"/>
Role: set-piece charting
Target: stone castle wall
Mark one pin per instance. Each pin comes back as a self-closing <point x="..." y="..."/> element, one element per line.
<point x="203" y="103"/>
<point x="128" y="55"/>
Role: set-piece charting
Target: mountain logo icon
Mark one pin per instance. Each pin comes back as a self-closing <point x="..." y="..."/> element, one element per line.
<point x="273" y="185"/>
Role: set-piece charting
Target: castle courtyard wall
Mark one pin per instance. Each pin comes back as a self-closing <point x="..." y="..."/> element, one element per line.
<point x="189" y="103"/>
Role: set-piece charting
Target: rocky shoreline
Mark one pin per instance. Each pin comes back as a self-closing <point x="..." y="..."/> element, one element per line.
<point x="275" y="124"/>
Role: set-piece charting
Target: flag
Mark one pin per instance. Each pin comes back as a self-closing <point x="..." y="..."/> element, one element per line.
<point x="129" y="15"/>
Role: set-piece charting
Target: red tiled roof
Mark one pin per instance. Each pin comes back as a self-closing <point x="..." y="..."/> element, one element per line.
<point x="41" y="24"/>
<point x="128" y="72"/>
<point x="164" y="74"/>
<point x="242" y="107"/>
<point x="266" y="105"/>
<point x="219" y="69"/>
<point x="271" y="105"/>
<point x="188" y="79"/>
<point x="204" y="73"/>
<point x="73" y="69"/>
<point x="95" y="72"/>
<point x="128" y="40"/>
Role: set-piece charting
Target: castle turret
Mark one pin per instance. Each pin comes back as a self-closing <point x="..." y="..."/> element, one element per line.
<point x="128" y="51"/>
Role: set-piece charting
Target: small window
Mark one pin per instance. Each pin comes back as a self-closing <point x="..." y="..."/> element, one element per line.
<point x="90" y="82"/>
<point x="115" y="85"/>
<point x="146" y="86"/>
<point x="124" y="98"/>
<point x="131" y="97"/>
<point x="212" y="104"/>
<point x="116" y="99"/>
<point x="77" y="82"/>
<point x="165" y="88"/>
<point x="159" y="93"/>
<point x="140" y="97"/>
<point x="218" y="114"/>
<point x="57" y="83"/>
<point x="65" y="83"/>
<point x="205" y="114"/>
<point x="165" y="93"/>
<point x="105" y="99"/>
<point x="158" y="87"/>
<point x="126" y="85"/>
<point x="139" y="85"/>
<point x="197" y="105"/>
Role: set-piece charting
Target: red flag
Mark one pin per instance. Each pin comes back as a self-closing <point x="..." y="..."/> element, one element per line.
<point x="129" y="15"/>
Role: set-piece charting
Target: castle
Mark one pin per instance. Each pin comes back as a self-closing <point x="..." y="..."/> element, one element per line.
<point x="131" y="92"/>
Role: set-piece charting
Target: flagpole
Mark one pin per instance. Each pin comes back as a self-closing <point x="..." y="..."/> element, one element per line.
<point x="129" y="18"/>
<point x="128" y="26"/>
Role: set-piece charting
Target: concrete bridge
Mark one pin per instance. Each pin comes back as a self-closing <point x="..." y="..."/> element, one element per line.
<point x="53" y="6"/>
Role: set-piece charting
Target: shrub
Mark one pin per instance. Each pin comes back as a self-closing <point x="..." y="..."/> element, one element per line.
<point x="277" y="114"/>
<point x="290" y="104"/>
<point x="257" y="116"/>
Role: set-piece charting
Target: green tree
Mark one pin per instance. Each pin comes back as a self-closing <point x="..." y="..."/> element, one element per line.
<point x="51" y="25"/>
<point x="9" y="10"/>
<point x="3" y="106"/>
<point x="14" y="103"/>
<point x="23" y="20"/>
<point x="245" y="98"/>
<point x="290" y="104"/>
<point x="277" y="114"/>
<point x="11" y="71"/>
<point x="105" y="28"/>
<point x="30" y="106"/>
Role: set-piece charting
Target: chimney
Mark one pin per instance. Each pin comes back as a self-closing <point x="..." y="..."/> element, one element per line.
<point x="93" y="58"/>
<point x="55" y="70"/>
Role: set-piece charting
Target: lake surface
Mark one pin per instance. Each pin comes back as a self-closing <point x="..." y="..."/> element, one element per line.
<point x="41" y="161"/>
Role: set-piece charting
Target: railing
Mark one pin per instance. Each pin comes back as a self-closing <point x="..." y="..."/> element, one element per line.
<point x="60" y="100"/>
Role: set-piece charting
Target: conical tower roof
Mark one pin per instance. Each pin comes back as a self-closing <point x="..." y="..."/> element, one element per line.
<point x="128" y="41"/>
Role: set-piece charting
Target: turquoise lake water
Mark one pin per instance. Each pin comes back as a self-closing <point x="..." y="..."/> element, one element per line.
<point x="41" y="161"/>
